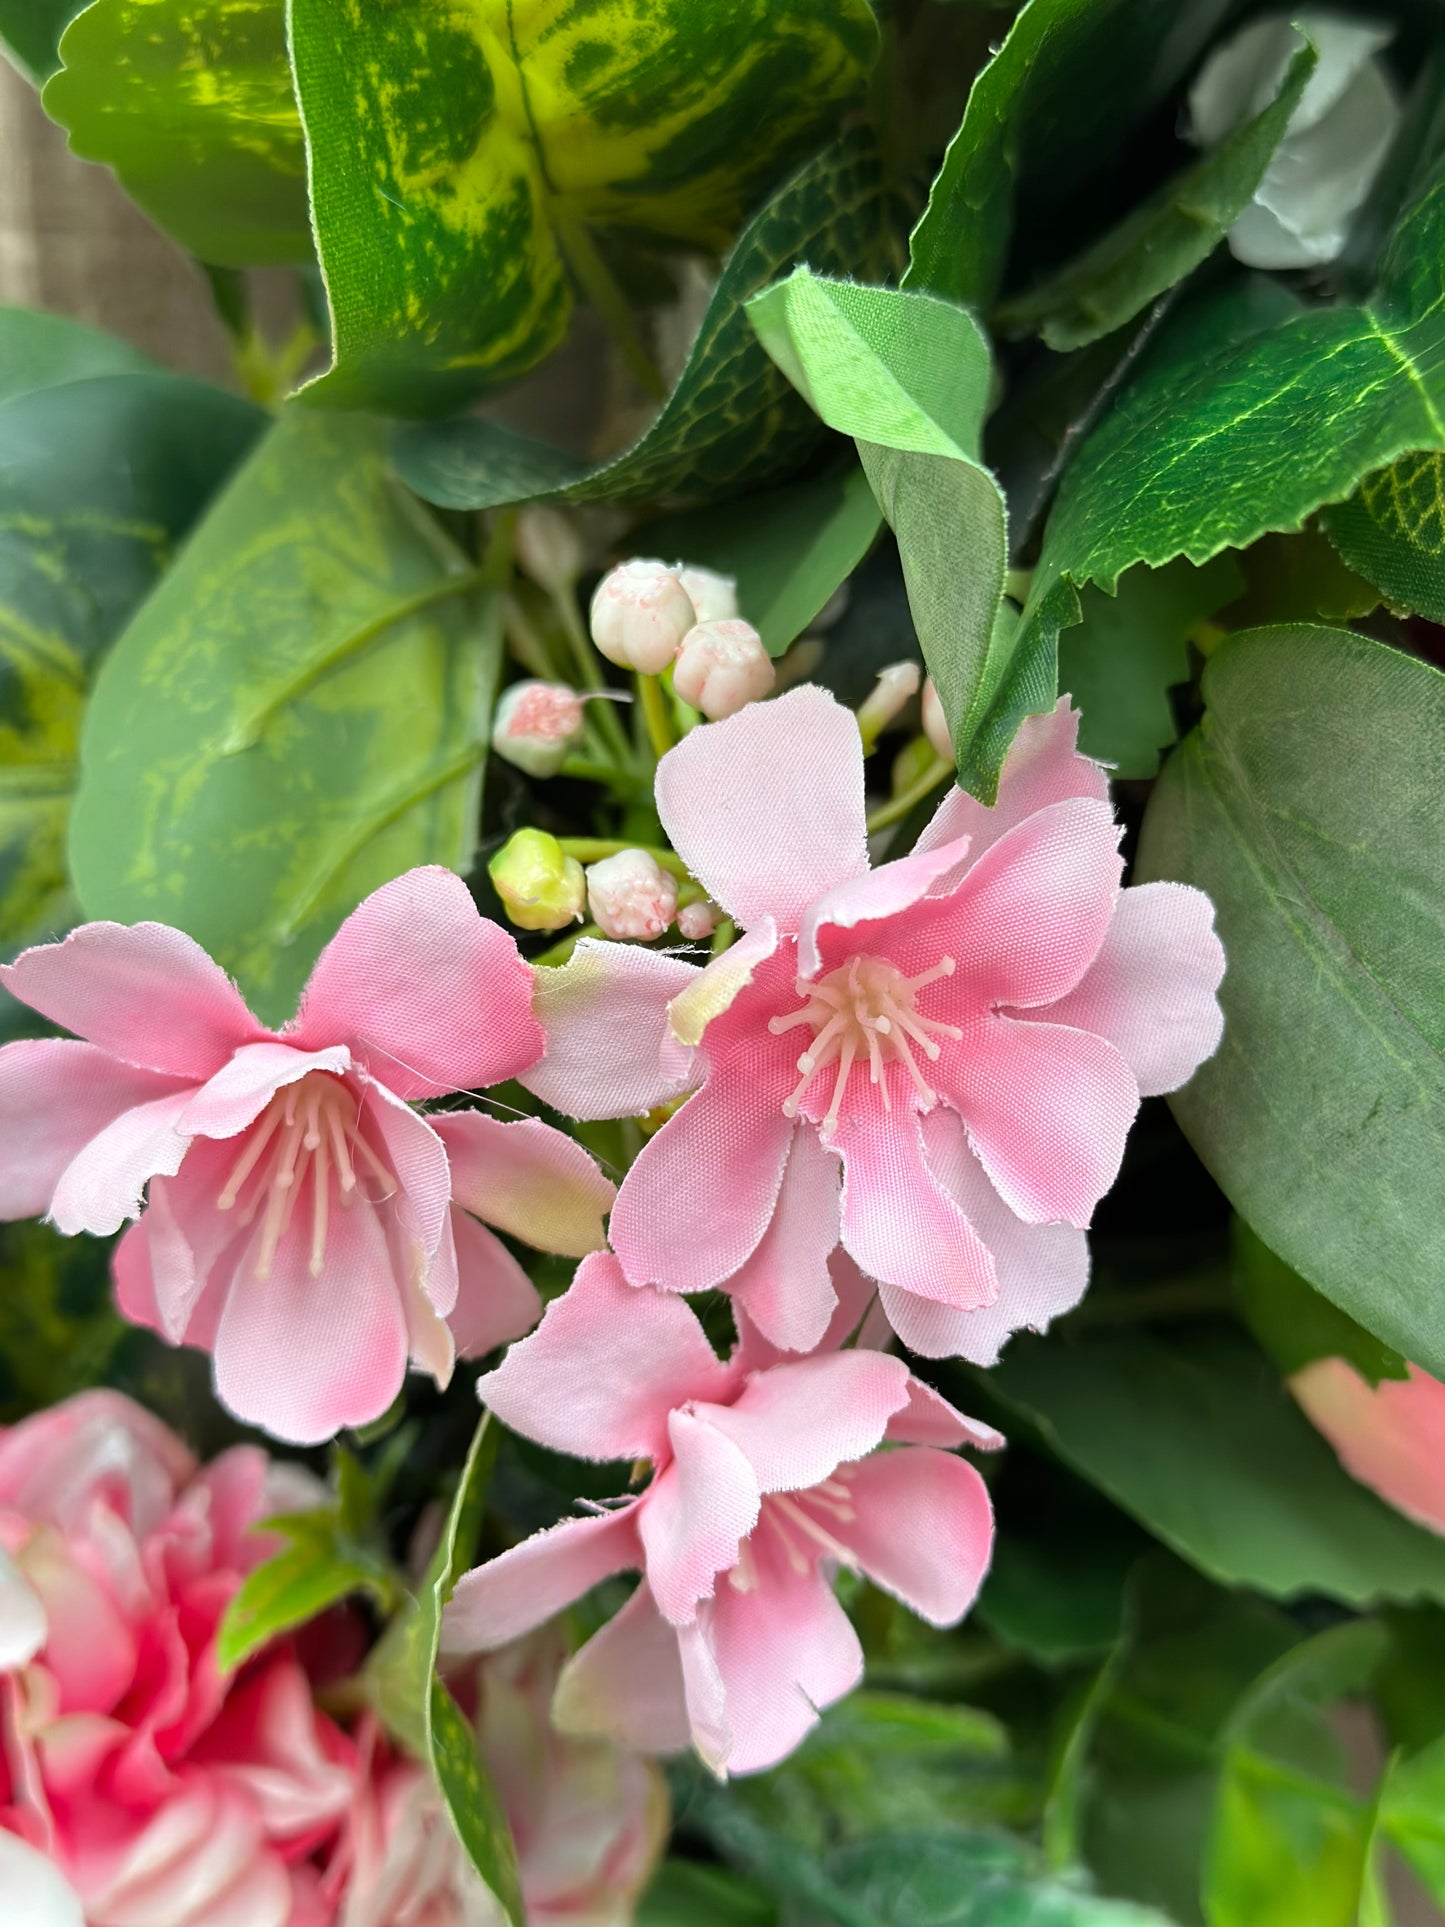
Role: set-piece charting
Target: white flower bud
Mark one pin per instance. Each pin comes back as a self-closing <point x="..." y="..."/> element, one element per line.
<point x="640" y="614"/>
<point x="721" y="667"/>
<point x="935" y="723"/>
<point x="631" y="895"/>
<point x="535" y="726"/>
<point x="896" y="686"/>
<point x="713" y="596"/>
<point x="548" y="548"/>
<point x="698" y="920"/>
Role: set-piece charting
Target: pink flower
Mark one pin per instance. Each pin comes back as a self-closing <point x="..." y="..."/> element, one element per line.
<point x="303" y="1222"/>
<point x="1390" y="1436"/>
<point x="762" y="1483"/>
<point x="161" y="1792"/>
<point x="936" y="1061"/>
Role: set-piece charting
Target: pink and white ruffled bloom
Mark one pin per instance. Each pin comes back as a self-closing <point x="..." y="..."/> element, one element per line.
<point x="139" y="1785"/>
<point x="1390" y="1436"/>
<point x="303" y="1222"/>
<point x="936" y="1062"/>
<point x="765" y="1479"/>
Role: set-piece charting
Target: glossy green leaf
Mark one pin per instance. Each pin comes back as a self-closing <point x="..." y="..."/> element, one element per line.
<point x="295" y="717"/>
<point x="190" y="101"/>
<point x="1392" y="532"/>
<point x="908" y="377"/>
<point x="461" y="162"/>
<point x="1308" y="805"/>
<point x="313" y="1570"/>
<point x="30" y="33"/>
<point x="1202" y="1445"/>
<point x="1294" y="1324"/>
<point x="733" y="421"/>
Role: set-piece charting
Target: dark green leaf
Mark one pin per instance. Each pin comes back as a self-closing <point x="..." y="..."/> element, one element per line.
<point x="59" y="1330"/>
<point x="733" y="421"/>
<point x="460" y="165"/>
<point x="1392" y="532"/>
<point x="1308" y="805"/>
<point x="30" y="32"/>
<point x="190" y="101"/>
<point x="691" y="1893"/>
<point x="44" y="350"/>
<point x="296" y="716"/>
<point x="1294" y="1324"/>
<point x="311" y="1572"/>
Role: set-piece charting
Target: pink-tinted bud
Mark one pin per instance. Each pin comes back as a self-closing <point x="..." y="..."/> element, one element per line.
<point x="1389" y="1436"/>
<point x="713" y="596"/>
<point x="721" y="667"/>
<point x="548" y="548"/>
<point x="935" y="723"/>
<point x="640" y="614"/>
<point x="631" y="895"/>
<point x="698" y="920"/>
<point x="895" y="687"/>
<point x="536" y="724"/>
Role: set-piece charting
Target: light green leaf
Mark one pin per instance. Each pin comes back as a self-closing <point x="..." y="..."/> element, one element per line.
<point x="1294" y="1324"/>
<point x="462" y="161"/>
<point x="733" y="421"/>
<point x="30" y="33"/>
<point x="908" y="377"/>
<point x="1392" y="532"/>
<point x="315" y="1568"/>
<point x="1411" y="1813"/>
<point x="44" y="350"/>
<point x="190" y="101"/>
<point x="296" y="716"/>
<point x="1202" y="1445"/>
<point x="1308" y="805"/>
<point x="1161" y="240"/>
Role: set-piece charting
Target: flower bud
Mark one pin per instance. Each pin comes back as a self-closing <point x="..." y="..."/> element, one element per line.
<point x="935" y="723"/>
<point x="536" y="724"/>
<point x="713" y="596"/>
<point x="548" y="548"/>
<point x="721" y="667"/>
<point x="541" y="887"/>
<point x="640" y="614"/>
<point x="631" y="895"/>
<point x="896" y="686"/>
<point x="698" y="920"/>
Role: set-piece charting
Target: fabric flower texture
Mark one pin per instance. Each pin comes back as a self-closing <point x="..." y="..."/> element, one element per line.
<point x="139" y="1786"/>
<point x="765" y="1479"/>
<point x="303" y="1222"/>
<point x="1390" y="1436"/>
<point x="936" y="1061"/>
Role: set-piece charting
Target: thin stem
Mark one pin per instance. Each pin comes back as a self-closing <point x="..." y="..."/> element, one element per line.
<point x="596" y="281"/>
<point x="592" y="769"/>
<point x="654" y="714"/>
<point x="592" y="849"/>
<point x="589" y="675"/>
<point x="897" y="807"/>
<point x="560" y="952"/>
<point x="723" y="936"/>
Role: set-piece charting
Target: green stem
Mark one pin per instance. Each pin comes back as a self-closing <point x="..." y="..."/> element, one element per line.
<point x="897" y="807"/>
<point x="654" y="714"/>
<point x="589" y="675"/>
<point x="593" y="769"/>
<point x="592" y="849"/>
<point x="596" y="281"/>
<point x="560" y="952"/>
<point x="723" y="936"/>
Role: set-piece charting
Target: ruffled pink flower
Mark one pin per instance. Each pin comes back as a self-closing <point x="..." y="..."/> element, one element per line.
<point x="303" y="1223"/>
<point x="765" y="1479"/>
<point x="159" y="1791"/>
<point x="936" y="1062"/>
<point x="1390" y="1436"/>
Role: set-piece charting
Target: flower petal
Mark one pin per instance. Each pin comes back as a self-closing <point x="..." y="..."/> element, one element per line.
<point x="1390" y="1436"/>
<point x="55" y="1096"/>
<point x="785" y="1288"/>
<point x="410" y="1148"/>
<point x="610" y="1052"/>
<point x="625" y="1684"/>
<point x="22" y="1617"/>
<point x="1151" y="989"/>
<point x="797" y="1423"/>
<point x="695" y="1514"/>
<point x="145" y="993"/>
<point x="883" y="893"/>
<point x="899" y="1224"/>
<point x="242" y="1088"/>
<point x="604" y="1368"/>
<point x="510" y="1595"/>
<point x="1043" y="766"/>
<point x="430" y="995"/>
<point x="37" y="1894"/>
<point x="496" y="1300"/>
<point x="527" y="1179"/>
<point x="766" y="809"/>
<point x="717" y="986"/>
<point x="101" y="1186"/>
<point x="923" y="1529"/>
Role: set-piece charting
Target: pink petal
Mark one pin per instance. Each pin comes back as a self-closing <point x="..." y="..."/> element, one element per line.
<point x="409" y="1147"/>
<point x="882" y="893"/>
<point x="610" y="1052"/>
<point x="929" y="1419"/>
<point x="797" y="1423"/>
<point x="147" y="994"/>
<point x="1047" y="1111"/>
<point x="302" y="1356"/>
<point x="185" y="1239"/>
<point x="22" y="1617"/>
<point x="923" y="1529"/>
<point x="1043" y="766"/>
<point x="37" y="1894"/>
<point x="625" y="1684"/>
<point x="55" y="1096"/>
<point x="239" y="1092"/>
<point x="102" y="1184"/>
<point x="704" y="1694"/>
<point x="527" y="1179"/>
<point x="695" y="1514"/>
<point x="717" y="986"/>
<point x="766" y="809"/>
<point x="1151" y="989"/>
<point x="785" y="1287"/>
<point x="899" y="1224"/>
<point x="1390" y="1436"/>
<point x="496" y="1300"/>
<point x="604" y="1368"/>
<point x="430" y="995"/>
<point x="508" y="1596"/>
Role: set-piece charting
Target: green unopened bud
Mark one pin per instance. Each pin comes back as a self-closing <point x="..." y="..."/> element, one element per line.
<point x="541" y="887"/>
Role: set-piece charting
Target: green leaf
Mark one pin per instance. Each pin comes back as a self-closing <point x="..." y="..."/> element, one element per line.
<point x="461" y="161"/>
<point x="30" y="33"/>
<point x="59" y="1330"/>
<point x="1294" y="1324"/>
<point x="1307" y="804"/>
<point x="1202" y="1445"/>
<point x="1392" y="532"/>
<point x="311" y="1572"/>
<point x="1411" y="1813"/>
<point x="686" y="1893"/>
<point x="190" y="102"/>
<point x="908" y="377"/>
<point x="297" y="715"/>
<point x="46" y="350"/>
<point x="733" y="421"/>
<point x="1161" y="240"/>
<point x="1128" y="652"/>
<point x="1048" y="112"/>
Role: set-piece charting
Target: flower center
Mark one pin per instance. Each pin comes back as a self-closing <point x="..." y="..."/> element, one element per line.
<point x="865" y="1008"/>
<point x="311" y="1127"/>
